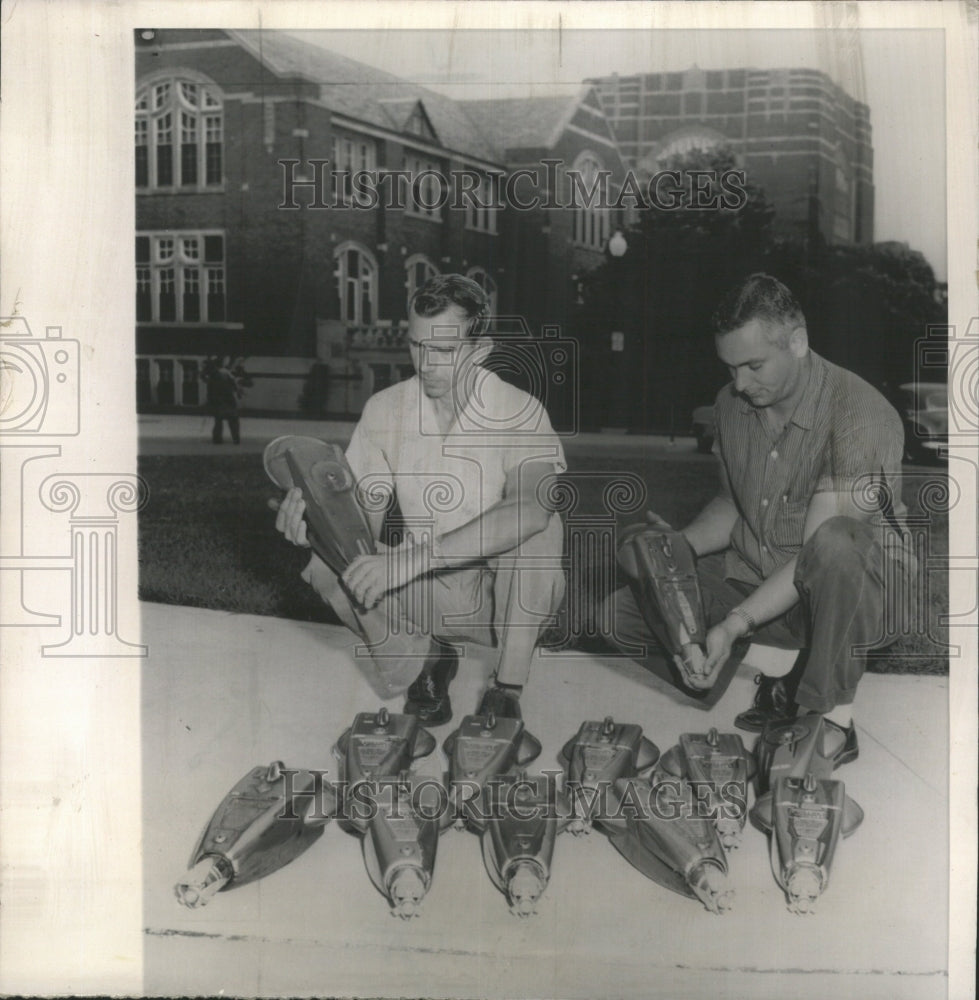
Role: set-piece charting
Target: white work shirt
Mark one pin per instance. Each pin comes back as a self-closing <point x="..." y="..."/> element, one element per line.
<point x="443" y="481"/>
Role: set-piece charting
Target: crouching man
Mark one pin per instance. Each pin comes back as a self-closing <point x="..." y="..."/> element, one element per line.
<point x="468" y="458"/>
<point x="804" y="542"/>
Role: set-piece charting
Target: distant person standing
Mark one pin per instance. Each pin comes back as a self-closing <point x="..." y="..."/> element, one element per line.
<point x="226" y="383"/>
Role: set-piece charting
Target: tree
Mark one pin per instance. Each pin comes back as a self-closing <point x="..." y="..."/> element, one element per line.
<point x="662" y="293"/>
<point x="865" y="305"/>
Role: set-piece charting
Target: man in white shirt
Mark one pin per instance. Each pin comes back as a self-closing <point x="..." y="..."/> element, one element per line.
<point x="468" y="457"/>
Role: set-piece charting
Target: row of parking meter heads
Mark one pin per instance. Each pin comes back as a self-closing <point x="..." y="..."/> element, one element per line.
<point x="673" y="816"/>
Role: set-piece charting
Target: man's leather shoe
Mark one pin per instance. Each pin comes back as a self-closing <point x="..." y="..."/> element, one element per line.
<point x="848" y="749"/>
<point x="772" y="703"/>
<point x="501" y="702"/>
<point x="428" y="695"/>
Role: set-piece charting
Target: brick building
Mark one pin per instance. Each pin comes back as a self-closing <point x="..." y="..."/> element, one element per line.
<point x="798" y="135"/>
<point x="256" y="238"/>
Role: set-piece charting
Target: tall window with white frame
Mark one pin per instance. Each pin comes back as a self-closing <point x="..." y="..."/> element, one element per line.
<point x="482" y="278"/>
<point x="351" y="154"/>
<point x="418" y="269"/>
<point x="180" y="277"/>
<point x="591" y="222"/>
<point x="481" y="205"/>
<point x="429" y="187"/>
<point x="356" y="277"/>
<point x="179" y="136"/>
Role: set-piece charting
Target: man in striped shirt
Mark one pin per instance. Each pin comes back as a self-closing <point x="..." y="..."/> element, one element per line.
<point x="804" y="540"/>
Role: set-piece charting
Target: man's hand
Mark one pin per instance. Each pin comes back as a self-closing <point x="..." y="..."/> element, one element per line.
<point x="719" y="641"/>
<point x="369" y="578"/>
<point x="656" y="521"/>
<point x="289" y="519"/>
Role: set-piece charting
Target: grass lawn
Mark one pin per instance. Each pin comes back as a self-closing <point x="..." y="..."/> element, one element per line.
<point x="207" y="539"/>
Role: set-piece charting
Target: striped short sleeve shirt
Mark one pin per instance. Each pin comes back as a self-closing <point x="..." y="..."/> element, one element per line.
<point x="843" y="437"/>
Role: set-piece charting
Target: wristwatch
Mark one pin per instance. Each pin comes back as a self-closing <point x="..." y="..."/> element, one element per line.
<point x="748" y="620"/>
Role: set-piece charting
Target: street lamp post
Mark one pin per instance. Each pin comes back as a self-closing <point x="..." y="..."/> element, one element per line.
<point x="617" y="245"/>
<point x="618" y="408"/>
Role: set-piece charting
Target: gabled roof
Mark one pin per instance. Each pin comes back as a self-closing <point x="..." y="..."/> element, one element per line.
<point x="516" y="123"/>
<point x="367" y="94"/>
<point x="409" y="115"/>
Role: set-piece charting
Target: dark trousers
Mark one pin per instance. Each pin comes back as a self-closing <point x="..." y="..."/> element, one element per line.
<point x="846" y="578"/>
<point x="217" y="434"/>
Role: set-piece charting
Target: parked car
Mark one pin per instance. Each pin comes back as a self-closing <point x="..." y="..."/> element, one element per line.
<point x="703" y="428"/>
<point x="925" y="414"/>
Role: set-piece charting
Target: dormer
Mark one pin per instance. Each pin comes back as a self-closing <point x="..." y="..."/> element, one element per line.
<point x="409" y="115"/>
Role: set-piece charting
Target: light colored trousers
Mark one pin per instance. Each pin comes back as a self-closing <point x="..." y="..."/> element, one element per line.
<point x="504" y="602"/>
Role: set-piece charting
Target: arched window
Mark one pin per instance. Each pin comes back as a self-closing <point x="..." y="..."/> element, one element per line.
<point x="591" y="224"/>
<point x="418" y="269"/>
<point x="684" y="141"/>
<point x="179" y="135"/>
<point x="488" y="285"/>
<point x="356" y="274"/>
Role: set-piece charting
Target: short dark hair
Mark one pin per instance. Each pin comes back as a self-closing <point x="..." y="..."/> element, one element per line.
<point x="759" y="296"/>
<point x="447" y="290"/>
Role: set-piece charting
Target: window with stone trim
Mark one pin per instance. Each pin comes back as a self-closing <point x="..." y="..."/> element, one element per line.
<point x="356" y="277"/>
<point x="179" y="135"/>
<point x="428" y="190"/>
<point x="481" y="205"/>
<point x="180" y="277"/>
<point x="418" y="270"/>
<point x="351" y="154"/>
<point x="482" y="278"/>
<point x="591" y="222"/>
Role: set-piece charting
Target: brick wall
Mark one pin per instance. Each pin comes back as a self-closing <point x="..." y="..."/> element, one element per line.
<point x="280" y="262"/>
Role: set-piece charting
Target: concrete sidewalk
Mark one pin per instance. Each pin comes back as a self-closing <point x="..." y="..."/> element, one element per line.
<point x="223" y="693"/>
<point x="182" y="434"/>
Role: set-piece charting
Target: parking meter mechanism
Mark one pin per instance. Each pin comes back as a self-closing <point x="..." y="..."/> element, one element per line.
<point x="484" y="747"/>
<point x="673" y="847"/>
<point x="595" y="758"/>
<point x="380" y="745"/>
<point x="383" y="804"/>
<point x="516" y="817"/>
<point x="519" y="819"/>
<point x="400" y="844"/>
<point x="809" y="816"/>
<point x="804" y="809"/>
<point x="721" y="762"/>
<point x="665" y="567"/>
<point x="271" y="816"/>
<point x="792" y="748"/>
<point x="338" y="528"/>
